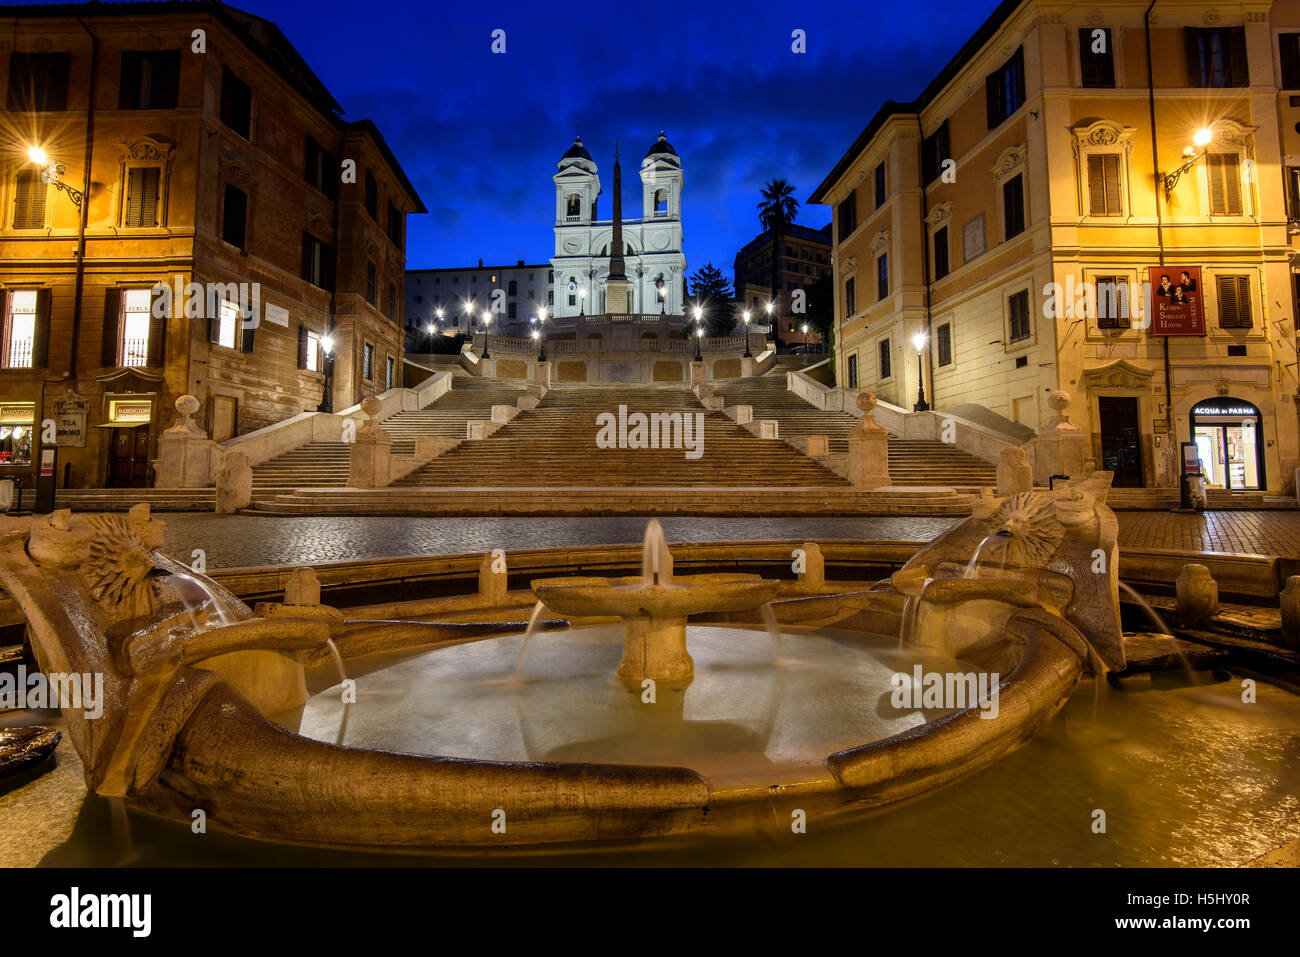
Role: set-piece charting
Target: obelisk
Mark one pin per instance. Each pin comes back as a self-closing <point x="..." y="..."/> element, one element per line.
<point x="616" y="284"/>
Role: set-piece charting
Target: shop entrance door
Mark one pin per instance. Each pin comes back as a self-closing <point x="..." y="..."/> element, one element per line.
<point x="1227" y="436"/>
<point x="128" y="457"/>
<point x="1121" y="450"/>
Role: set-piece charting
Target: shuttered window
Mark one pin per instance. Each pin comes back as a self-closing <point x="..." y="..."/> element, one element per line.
<point x="1217" y="57"/>
<point x="941" y="252"/>
<point x="370" y="282"/>
<point x="29" y="200"/>
<point x="236" y="103"/>
<point x="1289" y="51"/>
<point x="1234" y="302"/>
<point x="943" y="344"/>
<point x="1103" y="185"/>
<point x="1013" y="206"/>
<point x="142" y="197"/>
<point x="1224" y="172"/>
<point x="885" y="355"/>
<point x="1096" y="58"/>
<point x="1112" y="303"/>
<point x="853" y="372"/>
<point x="1018" y="309"/>
<point x="850" y="303"/>
<point x="150" y="80"/>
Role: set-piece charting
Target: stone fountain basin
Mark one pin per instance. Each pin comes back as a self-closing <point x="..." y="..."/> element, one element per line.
<point x="631" y="597"/>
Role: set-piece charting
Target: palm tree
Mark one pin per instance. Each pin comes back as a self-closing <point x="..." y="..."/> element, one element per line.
<point x="777" y="209"/>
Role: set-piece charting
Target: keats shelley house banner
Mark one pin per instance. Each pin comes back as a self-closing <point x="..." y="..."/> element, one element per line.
<point x="1177" y="308"/>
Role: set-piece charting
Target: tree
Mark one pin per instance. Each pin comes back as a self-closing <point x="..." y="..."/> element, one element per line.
<point x="777" y="209"/>
<point x="821" y="306"/>
<point x="712" y="293"/>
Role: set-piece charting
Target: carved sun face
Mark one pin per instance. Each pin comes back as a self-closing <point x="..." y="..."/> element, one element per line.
<point x="1030" y="520"/>
<point x="117" y="569"/>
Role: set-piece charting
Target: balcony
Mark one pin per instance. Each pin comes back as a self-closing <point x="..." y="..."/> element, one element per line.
<point x="135" y="353"/>
<point x="20" y="354"/>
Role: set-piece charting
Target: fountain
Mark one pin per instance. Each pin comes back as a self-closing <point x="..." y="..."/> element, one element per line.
<point x="207" y="703"/>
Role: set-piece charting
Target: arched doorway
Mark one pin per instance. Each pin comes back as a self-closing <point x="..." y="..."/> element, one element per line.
<point x="1228" y="436"/>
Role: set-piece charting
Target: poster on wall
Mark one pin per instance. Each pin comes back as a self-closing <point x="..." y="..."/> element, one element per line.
<point x="1176" y="304"/>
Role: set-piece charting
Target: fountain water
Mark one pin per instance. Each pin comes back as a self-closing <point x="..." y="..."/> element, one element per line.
<point x="656" y="563"/>
<point x="1159" y="623"/>
<point x="972" y="567"/>
<point x="533" y="621"/>
<point x="343" y="677"/>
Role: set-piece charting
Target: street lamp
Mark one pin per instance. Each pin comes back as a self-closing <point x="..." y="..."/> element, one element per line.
<point x="805" y="338"/>
<point x="327" y="394"/>
<point x="582" y="300"/>
<point x="748" y="354"/>
<point x="918" y="341"/>
<point x="541" y="333"/>
<point x="1201" y="140"/>
<point x="699" y="333"/>
<point x="50" y="173"/>
<point x="487" y="332"/>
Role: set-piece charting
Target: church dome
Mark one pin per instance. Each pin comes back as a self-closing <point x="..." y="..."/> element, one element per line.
<point x="576" y="151"/>
<point x="661" y="147"/>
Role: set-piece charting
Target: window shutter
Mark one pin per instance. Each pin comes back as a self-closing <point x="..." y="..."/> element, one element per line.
<point x="129" y="92"/>
<point x="1096" y="187"/>
<point x="149" y="197"/>
<point x="1229" y="308"/>
<point x="1238" y="64"/>
<point x="1214" y="170"/>
<point x="1110" y="169"/>
<point x="246" y="344"/>
<point x="302" y="347"/>
<point x="214" y="326"/>
<point x="29" y="201"/>
<point x="41" y="335"/>
<point x="1231" y="184"/>
<point x="157" y="355"/>
<point x="108" y="355"/>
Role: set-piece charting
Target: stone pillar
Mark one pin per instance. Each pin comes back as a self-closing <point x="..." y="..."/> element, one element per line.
<point x="1014" y="474"/>
<point x="370" y="462"/>
<point x="814" y="574"/>
<point x="1060" y="446"/>
<point x="744" y="414"/>
<point x="1290" y="600"/>
<point x="542" y="374"/>
<point x="302" y="587"/>
<point x="1198" y="595"/>
<point x="699" y="372"/>
<point x="184" y="451"/>
<point x="492" y="581"/>
<point x="868" y="448"/>
<point x="234" y="484"/>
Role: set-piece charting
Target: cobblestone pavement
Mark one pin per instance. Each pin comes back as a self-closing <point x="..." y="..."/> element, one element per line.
<point x="235" y="540"/>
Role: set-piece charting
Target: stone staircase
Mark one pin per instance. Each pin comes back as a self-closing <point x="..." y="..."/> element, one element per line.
<point x="911" y="461"/>
<point x="325" y="464"/>
<point x="554" y="445"/>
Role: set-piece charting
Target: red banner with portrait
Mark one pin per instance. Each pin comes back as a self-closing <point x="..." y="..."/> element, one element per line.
<point x="1177" y="308"/>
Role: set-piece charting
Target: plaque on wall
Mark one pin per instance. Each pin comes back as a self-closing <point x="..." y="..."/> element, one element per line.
<point x="70" y="420"/>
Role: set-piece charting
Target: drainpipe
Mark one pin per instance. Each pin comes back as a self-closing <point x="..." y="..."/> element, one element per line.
<point x="1170" y="434"/>
<point x="925" y="265"/>
<point x="79" y="281"/>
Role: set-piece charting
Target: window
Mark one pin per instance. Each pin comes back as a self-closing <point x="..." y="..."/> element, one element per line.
<point x="392" y="301"/>
<point x="224" y="329"/>
<point x="510" y="310"/>
<point x="1112" y="302"/>
<point x="573" y="206"/>
<point x="38" y="81"/>
<point x="27" y="314"/>
<point x="886" y="353"/>
<point x="1224" y="173"/>
<point x="850" y="305"/>
<point x="934" y="150"/>
<point x="150" y="80"/>
<point x="395" y="225"/>
<point x="1293" y="192"/>
<point x="1216" y="57"/>
<point x="1234" y="302"/>
<point x="1103" y="185"/>
<point x="853" y="371"/>
<point x="1289" y="50"/>
<point x="234" y="216"/>
<point x="372" y="196"/>
<point x="1004" y="89"/>
<point x="370" y="282"/>
<point x="882" y="276"/>
<point x="848" y="214"/>
<point x="941" y="252"/>
<point x="1018" y="311"/>
<point x="550" y="298"/>
<point x="17" y="423"/>
<point x="943" y="344"/>
<point x="1013" y="206"/>
<point x="389" y="368"/>
<point x="309" y="350"/>
<point x="142" y="197"/>
<point x="134" y="349"/>
<point x="880" y="185"/>
<point x="236" y="103"/>
<point x="661" y="202"/>
<point x="368" y="362"/>
<point x="29" y="200"/>
<point x="317" y="262"/>
<point x="512" y="288"/>
<point x="321" y="169"/>
<point x="1096" y="58"/>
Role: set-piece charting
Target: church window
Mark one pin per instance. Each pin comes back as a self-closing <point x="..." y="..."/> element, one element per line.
<point x="661" y="202"/>
<point x="573" y="206"/>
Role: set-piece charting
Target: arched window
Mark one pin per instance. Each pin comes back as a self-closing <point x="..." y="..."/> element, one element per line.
<point x="573" y="206"/>
<point x="661" y="202"/>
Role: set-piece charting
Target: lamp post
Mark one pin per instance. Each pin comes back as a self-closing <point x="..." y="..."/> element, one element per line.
<point x="699" y="333"/>
<point x="327" y="394"/>
<point x="921" y="405"/>
<point x="1190" y="156"/>
<point x="662" y="294"/>
<point x="748" y="354"/>
<point x="541" y="329"/>
<point x="805" y="338"/>
<point x="487" y="332"/>
<point x="50" y="173"/>
<point x="582" y="300"/>
<point x="776" y="336"/>
<point x="430" y="329"/>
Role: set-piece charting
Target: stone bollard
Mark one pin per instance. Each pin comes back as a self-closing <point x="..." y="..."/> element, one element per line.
<point x="818" y="445"/>
<point x="769" y="428"/>
<point x="744" y="414"/>
<point x="370" y="462"/>
<point x="184" y="451"/>
<point x="1290" y="600"/>
<point x="814" y="574"/>
<point x="492" y="574"/>
<point x="302" y="587"/>
<point x="542" y="374"/>
<point x="868" y="448"/>
<point x="1014" y="474"/>
<point x="234" y="484"/>
<point x="1198" y="595"/>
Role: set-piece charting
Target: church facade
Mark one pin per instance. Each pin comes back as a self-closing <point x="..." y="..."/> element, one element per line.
<point x="654" y="264"/>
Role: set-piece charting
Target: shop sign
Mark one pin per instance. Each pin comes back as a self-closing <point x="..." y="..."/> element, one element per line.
<point x="1177" y="308"/>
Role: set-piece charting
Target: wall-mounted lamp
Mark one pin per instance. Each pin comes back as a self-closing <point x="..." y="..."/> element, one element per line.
<point x="50" y="173"/>
<point x="1190" y="156"/>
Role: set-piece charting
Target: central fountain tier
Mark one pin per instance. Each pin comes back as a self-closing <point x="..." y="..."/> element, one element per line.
<point x="654" y="613"/>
